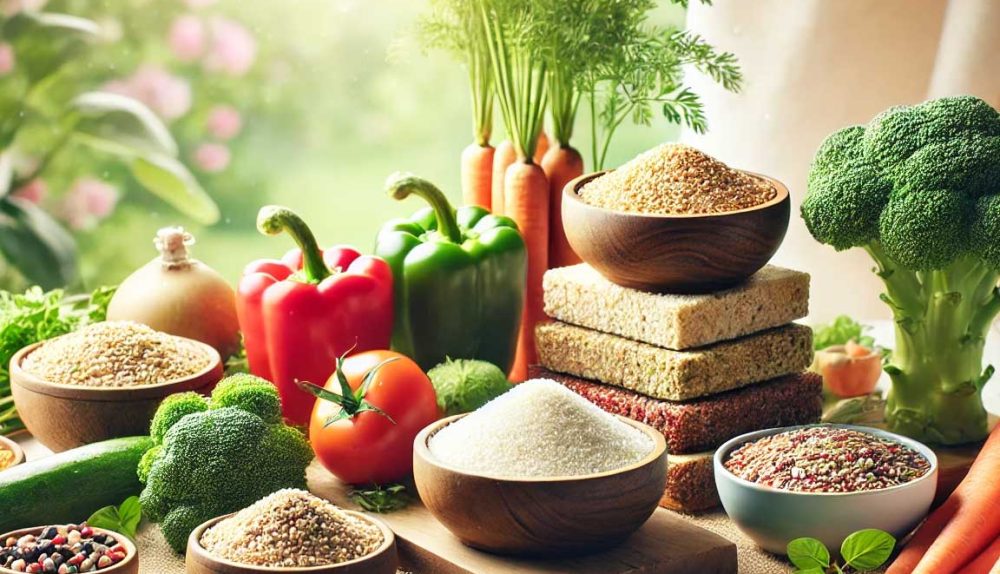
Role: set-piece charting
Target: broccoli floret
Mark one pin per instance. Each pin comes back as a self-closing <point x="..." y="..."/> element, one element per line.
<point x="220" y="458"/>
<point x="917" y="188"/>
<point x="174" y="408"/>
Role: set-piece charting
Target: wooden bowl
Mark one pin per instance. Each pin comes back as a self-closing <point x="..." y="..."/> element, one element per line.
<point x="383" y="561"/>
<point x="67" y="416"/>
<point x="548" y="516"/>
<point x="129" y="565"/>
<point x="675" y="253"/>
<point x="8" y="444"/>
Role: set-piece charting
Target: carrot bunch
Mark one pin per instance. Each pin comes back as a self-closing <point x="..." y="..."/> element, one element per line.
<point x="963" y="534"/>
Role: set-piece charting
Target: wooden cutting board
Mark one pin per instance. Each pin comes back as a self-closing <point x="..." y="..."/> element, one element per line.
<point x="666" y="544"/>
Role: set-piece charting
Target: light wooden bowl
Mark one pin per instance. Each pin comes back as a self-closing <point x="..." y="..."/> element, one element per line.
<point x="8" y="444"/>
<point x="549" y="516"/>
<point x="67" y="416"/>
<point x="675" y="253"/>
<point x="129" y="565"/>
<point x="383" y="561"/>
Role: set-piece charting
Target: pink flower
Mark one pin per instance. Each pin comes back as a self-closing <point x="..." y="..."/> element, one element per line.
<point x="212" y="157"/>
<point x="224" y="122"/>
<point x="187" y="38"/>
<point x="11" y="7"/>
<point x="6" y="58"/>
<point x="167" y="95"/>
<point x="34" y="191"/>
<point x="233" y="48"/>
<point x="195" y="4"/>
<point x="87" y="202"/>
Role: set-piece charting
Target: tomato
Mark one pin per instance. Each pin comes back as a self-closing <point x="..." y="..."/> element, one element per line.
<point x="368" y="447"/>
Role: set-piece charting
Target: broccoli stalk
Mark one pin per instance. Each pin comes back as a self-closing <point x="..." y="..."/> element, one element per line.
<point x="918" y="189"/>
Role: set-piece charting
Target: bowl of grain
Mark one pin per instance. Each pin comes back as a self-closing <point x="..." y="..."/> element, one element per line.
<point x="825" y="482"/>
<point x="104" y="381"/>
<point x="292" y="531"/>
<point x="540" y="471"/>
<point x="675" y="220"/>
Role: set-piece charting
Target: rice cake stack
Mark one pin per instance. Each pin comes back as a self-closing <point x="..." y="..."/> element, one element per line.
<point x="699" y="368"/>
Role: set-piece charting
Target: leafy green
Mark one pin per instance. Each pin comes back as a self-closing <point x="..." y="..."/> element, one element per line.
<point x="124" y="519"/>
<point x="867" y="549"/>
<point x="381" y="498"/>
<point x="36" y="315"/>
<point x="806" y="553"/>
<point x="839" y="332"/>
<point x="863" y="550"/>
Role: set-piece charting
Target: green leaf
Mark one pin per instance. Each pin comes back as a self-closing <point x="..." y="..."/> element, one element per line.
<point x="867" y="549"/>
<point x="381" y="499"/>
<point x="41" y="249"/>
<point x="807" y="553"/>
<point x="168" y="179"/>
<point x="130" y="514"/>
<point x="106" y="518"/>
<point x="123" y="120"/>
<point x="816" y="570"/>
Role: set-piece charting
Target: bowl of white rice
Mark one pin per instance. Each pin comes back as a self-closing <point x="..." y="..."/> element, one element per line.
<point x="540" y="471"/>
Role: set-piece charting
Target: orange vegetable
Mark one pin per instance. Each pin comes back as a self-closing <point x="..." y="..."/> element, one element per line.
<point x="987" y="563"/>
<point x="503" y="157"/>
<point x="964" y="526"/>
<point x="527" y="195"/>
<point x="561" y="165"/>
<point x="541" y="146"/>
<point x="850" y="370"/>
<point x="477" y="175"/>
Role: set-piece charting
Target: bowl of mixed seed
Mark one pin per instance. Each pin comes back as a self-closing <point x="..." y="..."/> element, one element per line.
<point x="825" y="482"/>
<point x="105" y="380"/>
<point x="675" y="219"/>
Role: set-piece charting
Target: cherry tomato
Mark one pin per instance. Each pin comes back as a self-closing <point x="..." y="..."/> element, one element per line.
<point x="369" y="447"/>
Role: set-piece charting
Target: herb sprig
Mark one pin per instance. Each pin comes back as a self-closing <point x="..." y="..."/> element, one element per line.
<point x="864" y="550"/>
<point x="123" y="519"/>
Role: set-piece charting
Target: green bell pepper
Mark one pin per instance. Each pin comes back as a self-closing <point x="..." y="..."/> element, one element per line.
<point x="459" y="279"/>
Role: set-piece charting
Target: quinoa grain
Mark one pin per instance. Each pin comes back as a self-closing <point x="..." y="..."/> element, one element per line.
<point x="674" y="179"/>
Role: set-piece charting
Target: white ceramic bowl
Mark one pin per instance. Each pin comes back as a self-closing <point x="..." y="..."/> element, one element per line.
<point x="772" y="517"/>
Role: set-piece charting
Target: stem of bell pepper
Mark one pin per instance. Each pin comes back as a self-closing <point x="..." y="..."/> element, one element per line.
<point x="275" y="219"/>
<point x="400" y="186"/>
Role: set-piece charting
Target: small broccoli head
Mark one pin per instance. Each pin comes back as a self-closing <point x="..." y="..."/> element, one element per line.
<point x="249" y="393"/>
<point x="221" y="458"/>
<point x="985" y="230"/>
<point x="172" y="409"/>
<point x="908" y="181"/>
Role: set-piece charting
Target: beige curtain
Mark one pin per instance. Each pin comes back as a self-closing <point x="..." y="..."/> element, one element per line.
<point x="814" y="66"/>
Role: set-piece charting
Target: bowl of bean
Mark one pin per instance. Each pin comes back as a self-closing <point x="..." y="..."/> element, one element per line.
<point x="105" y="381"/>
<point x="675" y="220"/>
<point x="825" y="482"/>
<point x="67" y="548"/>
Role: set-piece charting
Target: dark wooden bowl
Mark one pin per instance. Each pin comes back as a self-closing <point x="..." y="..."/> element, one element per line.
<point x="675" y="253"/>
<point x="545" y="517"/>
<point x="8" y="444"/>
<point x="383" y="561"/>
<point x="129" y="565"/>
<point x="67" y="416"/>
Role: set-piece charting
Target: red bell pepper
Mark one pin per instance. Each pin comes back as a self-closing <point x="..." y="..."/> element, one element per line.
<point x="300" y="313"/>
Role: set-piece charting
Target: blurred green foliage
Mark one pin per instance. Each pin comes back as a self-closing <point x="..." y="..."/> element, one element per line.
<point x="338" y="96"/>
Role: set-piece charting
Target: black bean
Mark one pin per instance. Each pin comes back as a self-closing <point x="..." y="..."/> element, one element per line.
<point x="50" y="533"/>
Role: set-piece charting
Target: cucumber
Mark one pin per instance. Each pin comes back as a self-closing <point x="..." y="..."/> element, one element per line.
<point x="68" y="487"/>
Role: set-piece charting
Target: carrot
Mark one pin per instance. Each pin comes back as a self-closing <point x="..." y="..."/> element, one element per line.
<point x="561" y="165"/>
<point x="527" y="195"/>
<point x="541" y="146"/>
<point x="972" y="527"/>
<point x="477" y="175"/>
<point x="503" y="157"/>
<point x="987" y="563"/>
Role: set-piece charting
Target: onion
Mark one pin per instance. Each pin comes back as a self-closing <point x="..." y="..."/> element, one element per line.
<point x="179" y="295"/>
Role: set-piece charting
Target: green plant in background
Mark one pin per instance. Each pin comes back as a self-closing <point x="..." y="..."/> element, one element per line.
<point x="863" y="550"/>
<point x="917" y="188"/>
<point x="46" y="113"/>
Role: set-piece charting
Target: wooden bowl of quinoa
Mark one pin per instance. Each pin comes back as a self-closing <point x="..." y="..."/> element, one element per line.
<point x="675" y="220"/>
<point x="105" y="381"/>
<point x="825" y="482"/>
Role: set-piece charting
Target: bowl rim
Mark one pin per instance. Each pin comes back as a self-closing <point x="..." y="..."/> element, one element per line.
<point x="388" y="542"/>
<point x="730" y="445"/>
<point x="422" y="447"/>
<point x="21" y="377"/>
<point x="133" y="550"/>
<point x="11" y="445"/>
<point x="572" y="192"/>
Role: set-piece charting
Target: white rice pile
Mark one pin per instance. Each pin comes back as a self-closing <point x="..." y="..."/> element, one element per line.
<point x="539" y="429"/>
